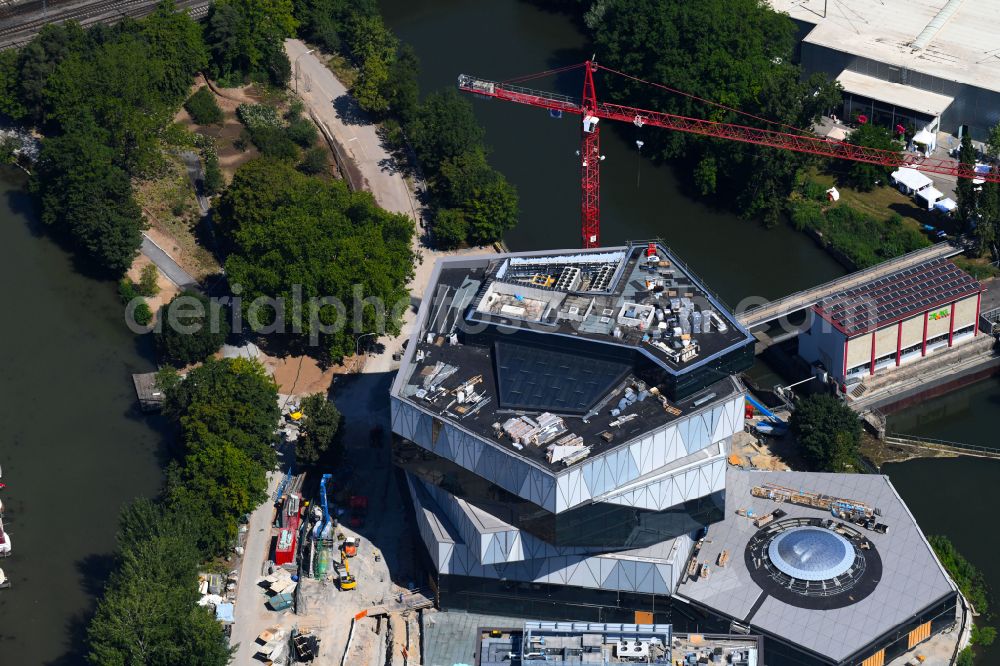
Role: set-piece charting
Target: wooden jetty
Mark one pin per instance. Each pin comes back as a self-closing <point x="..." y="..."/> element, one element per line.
<point x="150" y="396"/>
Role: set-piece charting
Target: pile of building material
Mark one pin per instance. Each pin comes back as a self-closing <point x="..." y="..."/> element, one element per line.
<point x="524" y="430"/>
<point x="280" y="582"/>
<point x="273" y="644"/>
<point x="568" y="449"/>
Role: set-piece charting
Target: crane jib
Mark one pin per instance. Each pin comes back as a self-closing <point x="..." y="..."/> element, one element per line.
<point x="796" y="140"/>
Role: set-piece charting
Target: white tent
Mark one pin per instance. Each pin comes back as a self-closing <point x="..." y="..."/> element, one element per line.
<point x="910" y="179"/>
<point x="929" y="196"/>
<point x="925" y="138"/>
<point x="946" y="205"/>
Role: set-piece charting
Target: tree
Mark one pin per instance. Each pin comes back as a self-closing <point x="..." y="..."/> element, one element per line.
<point x="40" y="58"/>
<point x="190" y="329"/>
<point x="233" y="400"/>
<point x="444" y="127"/>
<point x="462" y="176"/>
<point x="739" y="53"/>
<point x="245" y="38"/>
<point x="863" y="176"/>
<point x="148" y="613"/>
<point x="968" y="578"/>
<point x="451" y="229"/>
<point x="373" y="48"/>
<point x="828" y="432"/>
<point x="402" y="89"/>
<point x="217" y="485"/>
<point x="320" y="430"/>
<point x="176" y="47"/>
<point x="492" y="211"/>
<point x="11" y="106"/>
<point x="965" y="190"/>
<point x="203" y="108"/>
<point x="314" y="161"/>
<point x="89" y="199"/>
<point x="307" y="240"/>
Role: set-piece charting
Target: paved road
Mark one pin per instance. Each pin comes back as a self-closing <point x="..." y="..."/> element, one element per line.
<point x="352" y="129"/>
<point x="251" y="615"/>
<point x="166" y="264"/>
<point x="197" y="177"/>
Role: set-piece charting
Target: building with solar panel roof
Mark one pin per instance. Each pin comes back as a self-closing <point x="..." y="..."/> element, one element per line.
<point x="563" y="420"/>
<point x="899" y="319"/>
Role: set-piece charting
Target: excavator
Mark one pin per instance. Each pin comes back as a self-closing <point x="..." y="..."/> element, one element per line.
<point x="347" y="581"/>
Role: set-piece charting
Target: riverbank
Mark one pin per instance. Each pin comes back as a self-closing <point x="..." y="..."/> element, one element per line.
<point x="69" y="365"/>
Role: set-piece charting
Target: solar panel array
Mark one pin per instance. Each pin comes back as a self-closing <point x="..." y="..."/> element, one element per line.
<point x="897" y="296"/>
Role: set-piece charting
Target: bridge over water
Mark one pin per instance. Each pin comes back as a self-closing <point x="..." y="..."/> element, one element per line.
<point x="808" y="297"/>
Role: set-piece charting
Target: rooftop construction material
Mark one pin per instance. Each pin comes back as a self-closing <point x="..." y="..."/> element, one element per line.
<point x="890" y="578"/>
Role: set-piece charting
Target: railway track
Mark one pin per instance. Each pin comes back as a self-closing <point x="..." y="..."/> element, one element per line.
<point x="19" y="24"/>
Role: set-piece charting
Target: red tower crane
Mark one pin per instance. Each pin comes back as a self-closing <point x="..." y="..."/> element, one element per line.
<point x="593" y="111"/>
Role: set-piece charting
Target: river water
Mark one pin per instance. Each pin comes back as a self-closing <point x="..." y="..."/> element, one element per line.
<point x="500" y="39"/>
<point x="73" y="448"/>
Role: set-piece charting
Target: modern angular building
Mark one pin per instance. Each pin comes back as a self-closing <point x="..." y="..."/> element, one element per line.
<point x="564" y="420"/>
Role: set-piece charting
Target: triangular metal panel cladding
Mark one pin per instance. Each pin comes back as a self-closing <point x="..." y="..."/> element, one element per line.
<point x="445" y="554"/>
<point x="640" y="452"/>
<point x="536" y="568"/>
<point x="661" y="447"/>
<point x="676" y="490"/>
<point x="603" y="480"/>
<point x="613" y="580"/>
<point x="682" y="435"/>
<point x="588" y="469"/>
<point x="661" y="576"/>
<point x="616" y="465"/>
<point x="593" y="570"/>
<point x="516" y="548"/>
<point x="714" y="417"/>
<point x="736" y="415"/>
<point x="719" y="474"/>
<point x="570" y="569"/>
<point x="574" y="481"/>
<point x="490" y="551"/>
<point x="643" y="576"/>
<point x="424" y="430"/>
<point x="697" y="434"/>
<point x="675" y="446"/>
<point x="628" y="576"/>
<point x="629" y="469"/>
<point x="690" y="484"/>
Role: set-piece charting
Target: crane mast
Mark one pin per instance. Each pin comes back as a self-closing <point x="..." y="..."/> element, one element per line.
<point x="593" y="111"/>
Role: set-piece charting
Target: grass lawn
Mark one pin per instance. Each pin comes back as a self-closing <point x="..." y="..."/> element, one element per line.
<point x="882" y="202"/>
<point x="172" y="209"/>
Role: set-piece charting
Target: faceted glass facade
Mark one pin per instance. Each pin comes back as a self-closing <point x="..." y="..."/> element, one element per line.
<point x="595" y="525"/>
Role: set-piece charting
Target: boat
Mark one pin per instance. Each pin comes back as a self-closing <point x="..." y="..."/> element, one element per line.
<point x="4" y="581"/>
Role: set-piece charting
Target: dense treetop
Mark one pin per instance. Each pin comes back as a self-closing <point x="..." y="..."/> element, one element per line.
<point x="734" y="52"/>
<point x="283" y="228"/>
<point x="828" y="432"/>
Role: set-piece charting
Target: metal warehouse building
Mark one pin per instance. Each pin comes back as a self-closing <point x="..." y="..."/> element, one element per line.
<point x="893" y="320"/>
<point x="934" y="64"/>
